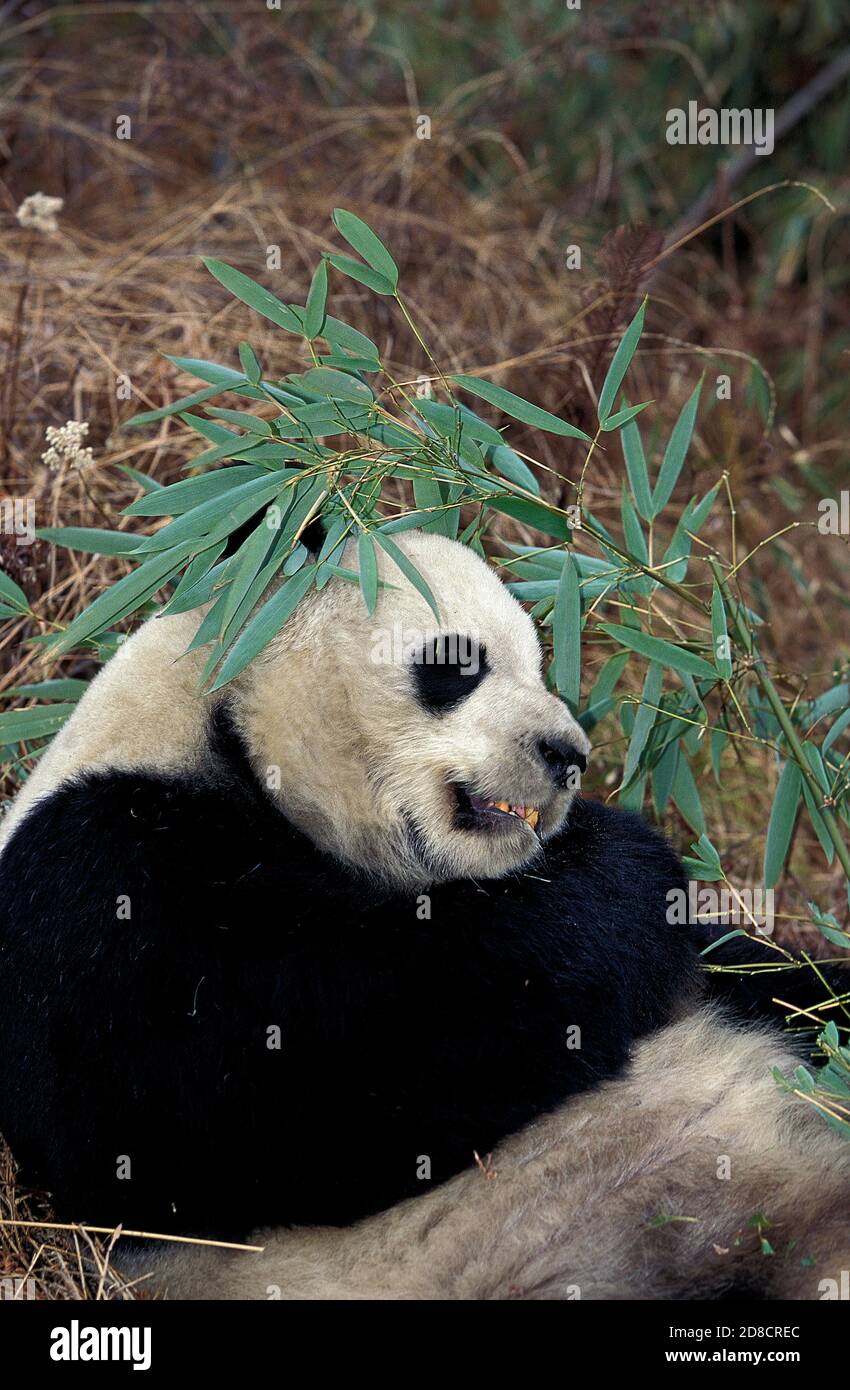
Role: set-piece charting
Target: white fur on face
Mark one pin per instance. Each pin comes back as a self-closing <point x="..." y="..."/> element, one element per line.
<point x="339" y="734"/>
<point x="334" y="726"/>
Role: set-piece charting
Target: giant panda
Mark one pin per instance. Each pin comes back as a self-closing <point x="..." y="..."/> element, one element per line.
<point x="293" y="953"/>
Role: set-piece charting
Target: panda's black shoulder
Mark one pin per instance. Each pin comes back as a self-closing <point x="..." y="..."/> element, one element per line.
<point x="93" y="816"/>
<point x="619" y="844"/>
<point x="612" y="877"/>
<point x="181" y="845"/>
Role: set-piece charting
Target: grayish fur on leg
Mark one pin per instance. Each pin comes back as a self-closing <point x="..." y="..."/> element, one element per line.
<point x="580" y="1203"/>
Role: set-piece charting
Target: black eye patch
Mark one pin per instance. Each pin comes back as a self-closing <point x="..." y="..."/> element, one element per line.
<point x="447" y="669"/>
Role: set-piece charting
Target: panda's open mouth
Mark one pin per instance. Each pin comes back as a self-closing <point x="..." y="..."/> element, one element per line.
<point x="474" y="812"/>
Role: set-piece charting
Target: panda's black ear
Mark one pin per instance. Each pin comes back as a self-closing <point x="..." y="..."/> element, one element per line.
<point x="313" y="537"/>
<point x="235" y="539"/>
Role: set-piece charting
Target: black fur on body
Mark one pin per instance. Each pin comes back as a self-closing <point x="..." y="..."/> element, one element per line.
<point x="404" y="1036"/>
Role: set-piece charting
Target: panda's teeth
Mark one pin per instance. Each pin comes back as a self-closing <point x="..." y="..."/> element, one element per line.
<point x="529" y="814"/>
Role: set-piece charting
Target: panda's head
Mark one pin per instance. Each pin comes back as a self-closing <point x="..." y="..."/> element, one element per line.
<point x="412" y="750"/>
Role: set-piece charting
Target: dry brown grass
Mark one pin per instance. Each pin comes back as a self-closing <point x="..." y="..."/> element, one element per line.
<point x="245" y="136"/>
<point x="43" y="1262"/>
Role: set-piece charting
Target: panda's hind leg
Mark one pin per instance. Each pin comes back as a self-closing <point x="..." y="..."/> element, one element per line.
<point x="693" y="1176"/>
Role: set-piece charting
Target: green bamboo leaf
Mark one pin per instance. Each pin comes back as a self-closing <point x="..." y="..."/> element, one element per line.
<point x="141" y="479"/>
<point x="242" y="419"/>
<point x="430" y="499"/>
<point x="303" y="502"/>
<point x="229" y="631"/>
<point x="190" y="492"/>
<point x="355" y="270"/>
<point x="720" y="637"/>
<point x="645" y="718"/>
<point x="328" y="418"/>
<point x="207" y="523"/>
<point x="265" y="625"/>
<point x="90" y="540"/>
<point x="837" y="729"/>
<point x="448" y="420"/>
<point x="185" y="595"/>
<point x="441" y="503"/>
<point x="221" y="451"/>
<point x="408" y="569"/>
<point x="368" y="571"/>
<point x="623" y="417"/>
<point x="636" y="469"/>
<point x="818" y="824"/>
<point x="566" y="633"/>
<point x="707" y="851"/>
<point x="12" y="594"/>
<point x="816" y="763"/>
<point x="327" y="381"/>
<point x="620" y="364"/>
<point x="408" y="521"/>
<point x="18" y="725"/>
<point x="713" y="945"/>
<point x="631" y="797"/>
<point x="519" y="409"/>
<point x="149" y="417"/>
<point x="679" y="658"/>
<point x="686" y="796"/>
<point x="213" y="372"/>
<point x="781" y="824"/>
<point x="352" y="577"/>
<point x="674" y="454"/>
<point x="689" y="524"/>
<point x="314" y="312"/>
<point x="123" y="598"/>
<point x="536" y="514"/>
<point x="632" y="530"/>
<point x="250" y="365"/>
<point x="832" y="700"/>
<point x="201" y="589"/>
<point x="332" y="551"/>
<point x="296" y="559"/>
<point x="607" y="679"/>
<point x="834" y="935"/>
<point x="59" y="688"/>
<point x="512" y="467"/>
<point x="366" y="244"/>
<point x="476" y="427"/>
<point x="222" y="632"/>
<point x="229" y="380"/>
<point x="531" y="591"/>
<point x="719" y="740"/>
<point x="662" y="777"/>
<point x="252" y="294"/>
<point x="209" y="629"/>
<point x="244" y="567"/>
<point x="341" y="335"/>
<point x="345" y="362"/>
<point x="216" y="434"/>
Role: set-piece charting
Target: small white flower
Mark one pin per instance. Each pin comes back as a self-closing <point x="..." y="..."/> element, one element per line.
<point x="66" y="446"/>
<point x="38" y="211"/>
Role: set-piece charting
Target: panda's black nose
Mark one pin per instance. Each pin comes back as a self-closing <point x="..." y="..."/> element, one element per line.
<point x="561" y="757"/>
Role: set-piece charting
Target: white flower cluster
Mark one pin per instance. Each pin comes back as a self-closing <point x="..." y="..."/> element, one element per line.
<point x="38" y="212"/>
<point x="66" y="446"/>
